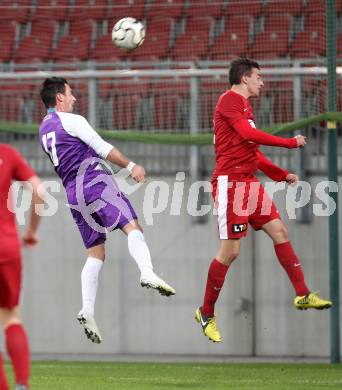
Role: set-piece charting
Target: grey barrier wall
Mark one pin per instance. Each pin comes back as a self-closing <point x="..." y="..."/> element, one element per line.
<point x="255" y="312"/>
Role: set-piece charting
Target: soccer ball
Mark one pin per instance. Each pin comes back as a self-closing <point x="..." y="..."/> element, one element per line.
<point x="128" y="33"/>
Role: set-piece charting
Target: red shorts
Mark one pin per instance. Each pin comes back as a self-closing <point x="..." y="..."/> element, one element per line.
<point x="240" y="200"/>
<point x="10" y="283"/>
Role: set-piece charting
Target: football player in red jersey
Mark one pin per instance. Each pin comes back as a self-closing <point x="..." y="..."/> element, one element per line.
<point x="239" y="197"/>
<point x="14" y="167"/>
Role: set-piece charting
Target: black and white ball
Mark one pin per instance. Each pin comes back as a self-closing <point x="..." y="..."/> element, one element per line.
<point x="128" y="33"/>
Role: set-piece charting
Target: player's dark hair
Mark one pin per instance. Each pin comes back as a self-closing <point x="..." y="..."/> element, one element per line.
<point x="50" y="88"/>
<point x="239" y="68"/>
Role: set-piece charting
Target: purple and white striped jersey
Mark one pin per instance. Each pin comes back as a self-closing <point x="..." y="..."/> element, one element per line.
<point x="68" y="140"/>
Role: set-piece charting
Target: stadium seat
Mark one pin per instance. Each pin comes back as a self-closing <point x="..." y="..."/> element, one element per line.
<point x="7" y="32"/>
<point x="171" y="105"/>
<point x="269" y="45"/>
<point x="243" y="7"/>
<point x="106" y="51"/>
<point x="122" y="8"/>
<point x="194" y="42"/>
<point x="130" y="105"/>
<point x="308" y="44"/>
<point x="278" y="23"/>
<point x="72" y="48"/>
<point x="50" y="10"/>
<point x="339" y="7"/>
<point x="40" y="28"/>
<point x="234" y="40"/>
<point x="91" y="9"/>
<point x="339" y="46"/>
<point x="312" y="41"/>
<point x="229" y="45"/>
<point x="34" y="49"/>
<point x="212" y="8"/>
<point x="81" y="27"/>
<point x="313" y="95"/>
<point x="15" y="10"/>
<point x="6" y="49"/>
<point x="210" y="91"/>
<point x="165" y="8"/>
<point x="292" y="7"/>
<point x="157" y="44"/>
<point x="13" y="105"/>
<point x="315" y="6"/>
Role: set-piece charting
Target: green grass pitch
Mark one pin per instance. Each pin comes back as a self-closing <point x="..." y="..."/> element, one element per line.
<point x="56" y="375"/>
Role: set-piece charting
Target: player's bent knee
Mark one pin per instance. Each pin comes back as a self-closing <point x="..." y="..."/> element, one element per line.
<point x="9" y="317"/>
<point x="281" y="234"/>
<point x="234" y="255"/>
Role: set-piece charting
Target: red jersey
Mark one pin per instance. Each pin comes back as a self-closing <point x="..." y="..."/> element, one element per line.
<point x="236" y="137"/>
<point x="12" y="167"/>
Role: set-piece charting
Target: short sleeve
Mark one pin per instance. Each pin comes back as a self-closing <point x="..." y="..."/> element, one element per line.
<point x="231" y="107"/>
<point x="21" y="170"/>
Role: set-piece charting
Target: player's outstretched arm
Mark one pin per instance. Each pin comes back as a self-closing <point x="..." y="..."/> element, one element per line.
<point x="249" y="133"/>
<point x="79" y="127"/>
<point x="271" y="170"/>
<point x="116" y="157"/>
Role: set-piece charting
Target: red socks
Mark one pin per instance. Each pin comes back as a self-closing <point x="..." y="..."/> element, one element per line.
<point x="3" y="380"/>
<point x="291" y="264"/>
<point x="18" y="351"/>
<point x="216" y="275"/>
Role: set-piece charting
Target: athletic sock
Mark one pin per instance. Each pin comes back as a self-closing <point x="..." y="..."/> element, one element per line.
<point x="216" y="275"/>
<point x="18" y="351"/>
<point x="139" y="251"/>
<point x="292" y="266"/>
<point x="3" y="379"/>
<point x="89" y="279"/>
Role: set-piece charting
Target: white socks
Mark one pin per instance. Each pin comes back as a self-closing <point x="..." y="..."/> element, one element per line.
<point x="89" y="277"/>
<point x="139" y="251"/>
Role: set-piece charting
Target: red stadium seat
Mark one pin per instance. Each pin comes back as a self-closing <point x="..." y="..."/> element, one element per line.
<point x="13" y="102"/>
<point x="339" y="6"/>
<point x="15" y="10"/>
<point x="81" y="27"/>
<point x="156" y="46"/>
<point x="282" y="93"/>
<point x="34" y="49"/>
<point x="166" y="8"/>
<point x="238" y="23"/>
<point x="270" y="44"/>
<point x="42" y="29"/>
<point x="339" y="45"/>
<point x="278" y="23"/>
<point x="293" y="7"/>
<point x="7" y="31"/>
<point x="199" y="24"/>
<point x="106" y="51"/>
<point x="229" y="45"/>
<point x="209" y="93"/>
<point x="212" y="8"/>
<point x="243" y="7"/>
<point x="124" y="8"/>
<point x="127" y="104"/>
<point x="6" y="49"/>
<point x="51" y="10"/>
<point x="72" y="48"/>
<point x="191" y="46"/>
<point x="194" y="43"/>
<point x="171" y="105"/>
<point x="317" y="6"/>
<point x="233" y="41"/>
<point x="91" y="9"/>
<point x="309" y="44"/>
